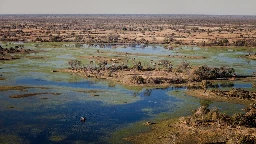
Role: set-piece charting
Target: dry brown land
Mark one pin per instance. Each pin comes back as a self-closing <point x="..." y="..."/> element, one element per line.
<point x="131" y="29"/>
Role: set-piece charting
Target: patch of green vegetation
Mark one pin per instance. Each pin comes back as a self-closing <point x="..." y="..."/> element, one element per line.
<point x="81" y="142"/>
<point x="133" y="129"/>
<point x="91" y="91"/>
<point x="186" y="105"/>
<point x="32" y="94"/>
<point x="35" y="57"/>
<point x="139" y="88"/>
<point x="8" y="138"/>
<point x="184" y="108"/>
<point x="57" y="138"/>
<point x="52" y="117"/>
<point x="109" y="96"/>
<point x="49" y="44"/>
<point x="205" y="103"/>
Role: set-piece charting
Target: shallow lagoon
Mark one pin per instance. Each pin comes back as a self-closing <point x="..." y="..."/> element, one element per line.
<point x="50" y="118"/>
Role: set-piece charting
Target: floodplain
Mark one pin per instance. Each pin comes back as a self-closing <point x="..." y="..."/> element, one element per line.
<point x="145" y="80"/>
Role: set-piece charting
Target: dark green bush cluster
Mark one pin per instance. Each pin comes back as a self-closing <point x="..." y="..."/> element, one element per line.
<point x="248" y="119"/>
<point x="225" y="42"/>
<point x="220" y="42"/>
<point x="245" y="42"/>
<point x="208" y="73"/>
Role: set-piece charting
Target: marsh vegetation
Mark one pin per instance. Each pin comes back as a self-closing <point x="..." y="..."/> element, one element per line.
<point x="133" y="78"/>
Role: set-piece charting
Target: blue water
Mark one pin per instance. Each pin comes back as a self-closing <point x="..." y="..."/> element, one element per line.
<point x="101" y="119"/>
<point x="37" y="120"/>
<point x="242" y="85"/>
<point x="41" y="82"/>
<point x="147" y="50"/>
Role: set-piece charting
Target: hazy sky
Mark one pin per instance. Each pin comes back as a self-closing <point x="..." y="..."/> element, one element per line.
<point x="219" y="7"/>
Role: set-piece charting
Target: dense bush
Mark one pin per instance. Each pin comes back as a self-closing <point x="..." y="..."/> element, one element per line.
<point x="208" y="73"/>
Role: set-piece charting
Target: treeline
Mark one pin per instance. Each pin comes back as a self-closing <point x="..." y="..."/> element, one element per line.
<point x="226" y="42"/>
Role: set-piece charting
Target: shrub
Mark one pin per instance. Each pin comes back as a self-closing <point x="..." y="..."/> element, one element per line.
<point x="137" y="79"/>
<point x="208" y="73"/>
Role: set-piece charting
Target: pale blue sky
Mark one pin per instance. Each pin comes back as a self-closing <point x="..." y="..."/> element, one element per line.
<point x="218" y="7"/>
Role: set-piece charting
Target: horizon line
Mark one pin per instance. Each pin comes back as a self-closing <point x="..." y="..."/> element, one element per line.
<point x="129" y="14"/>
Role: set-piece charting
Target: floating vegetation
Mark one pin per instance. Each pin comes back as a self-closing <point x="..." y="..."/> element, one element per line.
<point x="135" y="64"/>
<point x="57" y="138"/>
<point x="6" y="88"/>
<point x="8" y="138"/>
<point x="91" y="91"/>
<point x="36" y="57"/>
<point x="227" y="84"/>
<point x="32" y="94"/>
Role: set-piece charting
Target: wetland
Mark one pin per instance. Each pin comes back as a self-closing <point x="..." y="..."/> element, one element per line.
<point x="43" y="99"/>
<point x="177" y="82"/>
